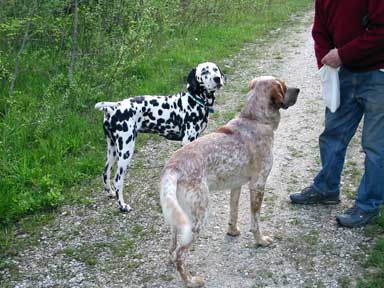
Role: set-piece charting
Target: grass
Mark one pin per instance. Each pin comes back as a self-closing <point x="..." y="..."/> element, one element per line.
<point x="51" y="139"/>
<point x="374" y="272"/>
<point x="352" y="175"/>
<point x="294" y="152"/>
<point x="14" y="239"/>
<point x="125" y="245"/>
<point x="90" y="254"/>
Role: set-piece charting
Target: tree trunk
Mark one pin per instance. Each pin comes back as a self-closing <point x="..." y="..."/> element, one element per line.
<point x="74" y="43"/>
<point x="16" y="71"/>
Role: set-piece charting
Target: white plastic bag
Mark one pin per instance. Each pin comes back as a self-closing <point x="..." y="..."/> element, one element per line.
<point x="331" y="87"/>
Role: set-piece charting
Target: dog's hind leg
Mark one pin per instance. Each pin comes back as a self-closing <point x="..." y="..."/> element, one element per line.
<point x="233" y="230"/>
<point x="189" y="281"/>
<point x="256" y="190"/>
<point x="125" y="153"/>
<point x="111" y="159"/>
<point x="194" y="198"/>
<point x="198" y="202"/>
<point x="173" y="245"/>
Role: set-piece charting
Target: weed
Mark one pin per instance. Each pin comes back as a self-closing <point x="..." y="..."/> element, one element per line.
<point x="82" y="254"/>
<point x="310" y="283"/>
<point x="123" y="247"/>
<point x="375" y="265"/>
<point x="344" y="282"/>
<point x="167" y="278"/>
<point x="312" y="237"/>
<point x="229" y="115"/>
<point x="295" y="221"/>
<point x="295" y="153"/>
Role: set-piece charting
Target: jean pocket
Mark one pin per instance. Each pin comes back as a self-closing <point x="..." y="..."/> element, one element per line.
<point x="378" y="77"/>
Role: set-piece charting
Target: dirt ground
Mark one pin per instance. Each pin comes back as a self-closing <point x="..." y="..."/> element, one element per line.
<point x="91" y="244"/>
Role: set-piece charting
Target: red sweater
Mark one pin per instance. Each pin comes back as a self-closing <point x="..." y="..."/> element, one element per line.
<point x="338" y="24"/>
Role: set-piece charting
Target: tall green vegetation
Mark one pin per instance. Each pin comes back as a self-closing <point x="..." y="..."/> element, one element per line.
<point x="57" y="58"/>
<point x="374" y="276"/>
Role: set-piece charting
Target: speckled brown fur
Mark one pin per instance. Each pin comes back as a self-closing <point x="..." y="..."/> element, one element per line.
<point x="237" y="153"/>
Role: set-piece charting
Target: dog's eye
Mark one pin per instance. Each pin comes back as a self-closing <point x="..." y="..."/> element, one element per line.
<point x="215" y="69"/>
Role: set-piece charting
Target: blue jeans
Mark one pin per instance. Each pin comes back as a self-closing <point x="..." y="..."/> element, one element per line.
<point x="360" y="94"/>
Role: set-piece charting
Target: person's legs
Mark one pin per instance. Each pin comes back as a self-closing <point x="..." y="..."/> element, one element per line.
<point x="371" y="190"/>
<point x="339" y="129"/>
<point x="370" y="193"/>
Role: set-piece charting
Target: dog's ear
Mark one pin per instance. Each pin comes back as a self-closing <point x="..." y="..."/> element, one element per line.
<point x="191" y="80"/>
<point x="251" y="84"/>
<point x="283" y="96"/>
<point x="277" y="93"/>
<point x="222" y="74"/>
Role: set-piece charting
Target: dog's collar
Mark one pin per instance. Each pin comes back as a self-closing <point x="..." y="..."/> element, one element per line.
<point x="201" y="102"/>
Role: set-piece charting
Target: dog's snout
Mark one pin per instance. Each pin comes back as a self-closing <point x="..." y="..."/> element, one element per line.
<point x="290" y="97"/>
<point x="217" y="80"/>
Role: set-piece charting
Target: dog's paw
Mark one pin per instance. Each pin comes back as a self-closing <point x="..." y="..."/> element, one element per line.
<point x="264" y="241"/>
<point x="233" y="231"/>
<point x="195" y="281"/>
<point x="111" y="195"/>
<point x="125" y="208"/>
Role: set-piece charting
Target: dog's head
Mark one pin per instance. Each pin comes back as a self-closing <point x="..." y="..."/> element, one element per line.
<point x="205" y="79"/>
<point x="274" y="92"/>
<point x="266" y="96"/>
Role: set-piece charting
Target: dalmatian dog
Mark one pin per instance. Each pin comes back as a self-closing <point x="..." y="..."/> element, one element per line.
<point x="180" y="117"/>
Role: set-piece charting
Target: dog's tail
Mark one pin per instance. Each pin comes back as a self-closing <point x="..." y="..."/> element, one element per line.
<point x="172" y="211"/>
<point x="107" y="107"/>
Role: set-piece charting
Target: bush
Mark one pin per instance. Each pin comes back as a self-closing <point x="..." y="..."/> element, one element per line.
<point x="50" y="135"/>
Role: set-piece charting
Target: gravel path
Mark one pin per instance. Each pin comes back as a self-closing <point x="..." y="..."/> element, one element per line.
<point x="91" y="244"/>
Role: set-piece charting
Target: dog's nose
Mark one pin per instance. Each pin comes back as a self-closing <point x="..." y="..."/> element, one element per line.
<point x="217" y="80"/>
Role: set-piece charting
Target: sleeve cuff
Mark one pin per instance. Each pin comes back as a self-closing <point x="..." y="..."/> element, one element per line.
<point x="346" y="55"/>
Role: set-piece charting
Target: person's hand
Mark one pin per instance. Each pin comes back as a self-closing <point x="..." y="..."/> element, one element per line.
<point x="332" y="59"/>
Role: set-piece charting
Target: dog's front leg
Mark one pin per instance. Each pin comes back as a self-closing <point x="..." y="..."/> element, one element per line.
<point x="257" y="194"/>
<point x="187" y="139"/>
<point x="190" y="134"/>
<point x="233" y="230"/>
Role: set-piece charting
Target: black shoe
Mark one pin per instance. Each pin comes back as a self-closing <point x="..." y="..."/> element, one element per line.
<point x="311" y="196"/>
<point x="356" y="217"/>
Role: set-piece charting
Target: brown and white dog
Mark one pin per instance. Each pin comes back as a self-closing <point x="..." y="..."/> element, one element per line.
<point x="237" y="153"/>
